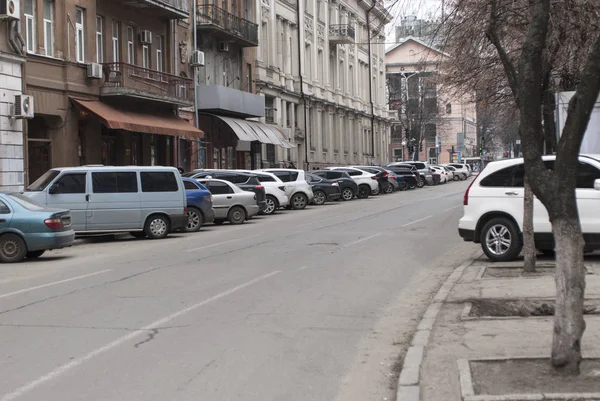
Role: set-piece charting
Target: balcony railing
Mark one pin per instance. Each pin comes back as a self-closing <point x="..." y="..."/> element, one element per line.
<point x="341" y="34"/>
<point x="131" y="80"/>
<point x="229" y="25"/>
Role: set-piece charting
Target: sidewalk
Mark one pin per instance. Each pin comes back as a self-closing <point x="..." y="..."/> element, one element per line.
<point x="449" y="369"/>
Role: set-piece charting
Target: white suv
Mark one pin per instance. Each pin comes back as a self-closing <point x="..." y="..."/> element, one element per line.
<point x="297" y="189"/>
<point x="367" y="182"/>
<point x="275" y="190"/>
<point x="463" y="170"/>
<point x="493" y="209"/>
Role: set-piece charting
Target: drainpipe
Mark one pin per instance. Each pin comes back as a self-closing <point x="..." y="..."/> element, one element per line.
<point x="195" y="33"/>
<point x="371" y="80"/>
<point x="13" y="38"/>
<point x="302" y="94"/>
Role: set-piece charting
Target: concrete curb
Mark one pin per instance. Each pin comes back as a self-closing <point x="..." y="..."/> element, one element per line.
<point x="408" y="382"/>
<point x="588" y="271"/>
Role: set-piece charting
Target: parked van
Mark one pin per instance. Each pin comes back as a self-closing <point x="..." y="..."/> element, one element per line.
<point x="145" y="201"/>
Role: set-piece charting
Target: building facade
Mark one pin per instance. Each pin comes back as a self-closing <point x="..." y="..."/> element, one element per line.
<point x="107" y="78"/>
<point x="438" y="124"/>
<point x="321" y="71"/>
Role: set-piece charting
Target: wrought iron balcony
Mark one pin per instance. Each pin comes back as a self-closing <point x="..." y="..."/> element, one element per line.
<point x="227" y="26"/>
<point x="341" y="34"/>
<point x="171" y="9"/>
<point x="122" y="79"/>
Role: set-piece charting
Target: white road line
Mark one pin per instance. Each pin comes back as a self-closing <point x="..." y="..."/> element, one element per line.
<point x="160" y="322"/>
<point x="417" y="221"/>
<point x="10" y="294"/>
<point x="358" y="241"/>
<point x="302" y="268"/>
<point x="221" y="243"/>
<point x="452" y="208"/>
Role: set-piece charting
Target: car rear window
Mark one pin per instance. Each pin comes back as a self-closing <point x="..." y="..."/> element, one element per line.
<point x="265" y="178"/>
<point x="500" y="178"/>
<point x="159" y="181"/>
<point x="420" y="166"/>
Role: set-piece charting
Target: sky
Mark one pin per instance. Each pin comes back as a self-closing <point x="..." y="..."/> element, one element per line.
<point x="399" y="8"/>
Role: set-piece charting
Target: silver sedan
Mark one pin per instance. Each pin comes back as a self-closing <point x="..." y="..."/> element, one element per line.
<point x="230" y="202"/>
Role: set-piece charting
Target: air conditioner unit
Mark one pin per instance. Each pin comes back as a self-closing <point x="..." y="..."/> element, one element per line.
<point x="9" y="9"/>
<point x="223" y="47"/>
<point x="94" y="70"/>
<point x="197" y="59"/>
<point x="23" y="107"/>
<point x="146" y="37"/>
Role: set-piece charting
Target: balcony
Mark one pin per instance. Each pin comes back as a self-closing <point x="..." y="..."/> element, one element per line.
<point x="341" y="34"/>
<point x="170" y="9"/>
<point x="226" y="101"/>
<point x="122" y="79"/>
<point x="226" y="26"/>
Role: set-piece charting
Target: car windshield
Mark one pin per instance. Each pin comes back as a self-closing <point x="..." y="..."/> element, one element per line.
<point x="41" y="183"/>
<point x="26" y="202"/>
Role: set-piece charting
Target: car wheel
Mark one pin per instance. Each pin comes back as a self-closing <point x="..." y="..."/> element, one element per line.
<point x="157" y="227"/>
<point x="500" y="240"/>
<point x="421" y="183"/>
<point x="375" y="191"/>
<point x="364" y="191"/>
<point x="403" y="186"/>
<point x="320" y="198"/>
<point x="35" y="254"/>
<point x="271" y="205"/>
<point x="218" y="222"/>
<point x="389" y="189"/>
<point x="236" y="215"/>
<point x="456" y="178"/>
<point x="195" y="220"/>
<point x="299" y="201"/>
<point x="138" y="234"/>
<point x="12" y="248"/>
<point x="347" y="194"/>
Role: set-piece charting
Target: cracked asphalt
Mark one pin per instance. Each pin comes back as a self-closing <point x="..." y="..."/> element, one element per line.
<point x="303" y="305"/>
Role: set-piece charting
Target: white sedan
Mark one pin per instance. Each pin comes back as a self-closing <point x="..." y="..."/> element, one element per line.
<point x="230" y="202"/>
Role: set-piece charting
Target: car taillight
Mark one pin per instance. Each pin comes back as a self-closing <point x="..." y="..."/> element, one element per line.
<point x="466" y="198"/>
<point x="54" y="223"/>
<point x="260" y="187"/>
<point x="374" y="178"/>
<point x="385" y="175"/>
<point x="335" y="184"/>
<point x="185" y="210"/>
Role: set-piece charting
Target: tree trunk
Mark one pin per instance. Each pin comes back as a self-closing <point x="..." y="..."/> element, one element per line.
<point x="569" y="324"/>
<point x="529" y="250"/>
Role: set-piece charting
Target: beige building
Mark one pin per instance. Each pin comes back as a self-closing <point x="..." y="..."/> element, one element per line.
<point x="324" y="86"/>
<point x="450" y="130"/>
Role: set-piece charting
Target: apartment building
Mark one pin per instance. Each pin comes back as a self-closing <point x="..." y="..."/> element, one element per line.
<point x="441" y="123"/>
<point x="107" y="78"/>
<point x="320" y="67"/>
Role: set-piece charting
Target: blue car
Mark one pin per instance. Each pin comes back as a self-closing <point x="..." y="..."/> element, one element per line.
<point x="199" y="205"/>
<point x="28" y="229"/>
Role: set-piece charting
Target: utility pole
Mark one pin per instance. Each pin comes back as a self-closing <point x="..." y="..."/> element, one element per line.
<point x="371" y="80"/>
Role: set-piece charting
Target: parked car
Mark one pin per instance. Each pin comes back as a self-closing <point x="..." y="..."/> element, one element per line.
<point x="408" y="173"/>
<point x="245" y="181"/>
<point x="275" y="190"/>
<point x="323" y="189"/>
<point x="298" y="190"/>
<point x="380" y="174"/>
<point x="347" y="185"/>
<point x="463" y="170"/>
<point x="145" y="201"/>
<point x="424" y="172"/>
<point x="443" y="172"/>
<point x="402" y="184"/>
<point x="28" y="228"/>
<point x="393" y="180"/>
<point x="493" y="208"/>
<point x="367" y="182"/>
<point x="230" y="202"/>
<point x="437" y="178"/>
<point x="455" y="174"/>
<point x="199" y="205"/>
<point x="421" y="180"/>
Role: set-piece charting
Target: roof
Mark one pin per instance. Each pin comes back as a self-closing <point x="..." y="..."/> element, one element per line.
<point x="416" y="40"/>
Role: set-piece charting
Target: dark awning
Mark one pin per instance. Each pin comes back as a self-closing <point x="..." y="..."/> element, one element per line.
<point x="247" y="130"/>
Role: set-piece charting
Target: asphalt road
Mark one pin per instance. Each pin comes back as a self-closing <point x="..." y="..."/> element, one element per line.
<point x="303" y="305"/>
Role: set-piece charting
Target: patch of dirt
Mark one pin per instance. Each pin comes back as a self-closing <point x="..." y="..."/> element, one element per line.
<point x="494" y="272"/>
<point x="522" y="308"/>
<point x="528" y="376"/>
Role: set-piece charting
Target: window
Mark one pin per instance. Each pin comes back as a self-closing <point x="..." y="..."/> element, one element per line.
<point x="130" y="45"/>
<point x="159" y="182"/>
<point x="283" y="175"/>
<point x="70" y="184"/>
<point x="79" y="35"/>
<point x="219" y="188"/>
<point x="145" y="56"/>
<point x="99" y="39"/>
<point x="30" y="25"/>
<point x="116" y="46"/>
<point x="271" y="154"/>
<point x="159" y="53"/>
<point x="4" y="209"/>
<point x="449" y="108"/>
<point x="113" y="182"/>
<point x="249" y="77"/>
<point x="586" y="175"/>
<point x="501" y="178"/>
<point x="49" y="27"/>
<point x="190" y="185"/>
<point x="265" y="178"/>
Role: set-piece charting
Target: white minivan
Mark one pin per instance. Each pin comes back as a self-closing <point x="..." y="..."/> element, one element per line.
<point x="145" y="201"/>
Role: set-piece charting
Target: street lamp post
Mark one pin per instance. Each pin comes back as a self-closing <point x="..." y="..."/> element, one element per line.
<point x="403" y="146"/>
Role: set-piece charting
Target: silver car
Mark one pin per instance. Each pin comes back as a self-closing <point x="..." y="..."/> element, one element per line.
<point x="230" y="202"/>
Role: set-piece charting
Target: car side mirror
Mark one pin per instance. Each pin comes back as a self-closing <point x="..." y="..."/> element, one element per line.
<point x="53" y="189"/>
<point x="597" y="184"/>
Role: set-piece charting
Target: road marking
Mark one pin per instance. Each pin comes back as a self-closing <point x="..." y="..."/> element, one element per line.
<point x="152" y="326"/>
<point x="358" y="241"/>
<point x="10" y="294"/>
<point x="452" y="208"/>
<point x="221" y="243"/>
<point x="302" y="268"/>
<point x="417" y="221"/>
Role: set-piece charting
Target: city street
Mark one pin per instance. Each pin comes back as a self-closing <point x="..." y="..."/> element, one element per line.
<point x="316" y="304"/>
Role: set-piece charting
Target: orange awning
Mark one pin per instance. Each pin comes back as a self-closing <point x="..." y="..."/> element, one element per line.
<point x="139" y="122"/>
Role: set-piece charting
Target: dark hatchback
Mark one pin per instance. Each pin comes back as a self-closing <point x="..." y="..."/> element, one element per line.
<point x="348" y="186"/>
<point x="323" y="189"/>
<point x="246" y="181"/>
<point x="407" y="175"/>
